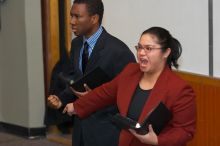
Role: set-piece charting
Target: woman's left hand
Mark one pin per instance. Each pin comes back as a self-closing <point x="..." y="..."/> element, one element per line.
<point x="149" y="138"/>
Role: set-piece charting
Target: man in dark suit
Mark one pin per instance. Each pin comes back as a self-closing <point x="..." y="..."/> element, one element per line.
<point x="92" y="47"/>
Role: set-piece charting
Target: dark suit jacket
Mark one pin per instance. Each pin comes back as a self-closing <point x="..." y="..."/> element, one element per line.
<point x="112" y="55"/>
<point x="57" y="85"/>
<point x="169" y="88"/>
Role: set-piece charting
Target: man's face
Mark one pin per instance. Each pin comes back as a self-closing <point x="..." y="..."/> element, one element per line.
<point x="81" y="22"/>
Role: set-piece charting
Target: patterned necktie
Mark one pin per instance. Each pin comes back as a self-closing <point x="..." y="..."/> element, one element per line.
<point x="85" y="56"/>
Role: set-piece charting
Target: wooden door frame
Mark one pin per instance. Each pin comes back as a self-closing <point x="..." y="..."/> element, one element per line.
<point x="50" y="31"/>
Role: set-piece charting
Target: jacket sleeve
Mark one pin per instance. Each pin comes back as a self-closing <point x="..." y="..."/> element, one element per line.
<point x="182" y="126"/>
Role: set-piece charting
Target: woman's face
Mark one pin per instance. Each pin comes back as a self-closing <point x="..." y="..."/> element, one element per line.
<point x="149" y="54"/>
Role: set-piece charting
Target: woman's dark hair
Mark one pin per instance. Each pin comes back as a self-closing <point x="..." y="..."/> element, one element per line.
<point x="94" y="7"/>
<point x="167" y="41"/>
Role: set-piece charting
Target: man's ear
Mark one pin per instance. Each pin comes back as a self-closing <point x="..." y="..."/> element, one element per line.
<point x="95" y="19"/>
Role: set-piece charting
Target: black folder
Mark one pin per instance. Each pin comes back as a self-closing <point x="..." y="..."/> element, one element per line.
<point x="93" y="79"/>
<point x="158" y="118"/>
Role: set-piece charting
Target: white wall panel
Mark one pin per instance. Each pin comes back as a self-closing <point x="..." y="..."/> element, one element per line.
<point x="187" y="20"/>
<point x="216" y="40"/>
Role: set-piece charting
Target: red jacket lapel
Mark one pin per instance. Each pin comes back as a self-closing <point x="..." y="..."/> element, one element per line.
<point x="157" y="94"/>
<point x="127" y="89"/>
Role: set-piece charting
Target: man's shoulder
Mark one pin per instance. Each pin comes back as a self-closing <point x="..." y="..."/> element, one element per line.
<point x="112" y="40"/>
<point x="115" y="40"/>
<point x="117" y="48"/>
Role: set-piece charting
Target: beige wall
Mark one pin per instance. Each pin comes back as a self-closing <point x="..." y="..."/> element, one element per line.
<point x="187" y="20"/>
<point x="216" y="42"/>
<point x="21" y="86"/>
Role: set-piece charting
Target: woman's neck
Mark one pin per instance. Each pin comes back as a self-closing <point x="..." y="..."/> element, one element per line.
<point x="148" y="80"/>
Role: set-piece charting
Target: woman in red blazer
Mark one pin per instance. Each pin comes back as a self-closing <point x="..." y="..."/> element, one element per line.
<point x="140" y="87"/>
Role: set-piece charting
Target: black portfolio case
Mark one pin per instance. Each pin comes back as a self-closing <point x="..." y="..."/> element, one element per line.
<point x="158" y="118"/>
<point x="93" y="79"/>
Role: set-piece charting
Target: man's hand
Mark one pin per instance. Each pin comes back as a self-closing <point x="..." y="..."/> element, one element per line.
<point x="149" y="138"/>
<point x="54" y="102"/>
<point x="80" y="94"/>
<point x="69" y="109"/>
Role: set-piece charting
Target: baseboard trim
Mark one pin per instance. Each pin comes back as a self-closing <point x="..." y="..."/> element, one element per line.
<point x="22" y="131"/>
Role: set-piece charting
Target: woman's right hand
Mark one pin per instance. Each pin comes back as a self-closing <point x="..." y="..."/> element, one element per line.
<point x="149" y="138"/>
<point x="69" y="109"/>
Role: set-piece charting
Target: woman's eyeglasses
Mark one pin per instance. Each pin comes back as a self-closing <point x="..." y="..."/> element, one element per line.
<point x="146" y="48"/>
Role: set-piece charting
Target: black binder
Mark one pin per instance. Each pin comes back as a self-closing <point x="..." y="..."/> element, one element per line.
<point x="158" y="118"/>
<point x="93" y="79"/>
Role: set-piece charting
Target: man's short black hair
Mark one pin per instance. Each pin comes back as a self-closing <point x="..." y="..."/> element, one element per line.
<point x="94" y="7"/>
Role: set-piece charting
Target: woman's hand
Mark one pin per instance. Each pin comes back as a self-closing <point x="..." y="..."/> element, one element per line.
<point x="69" y="109"/>
<point x="80" y="94"/>
<point x="149" y="138"/>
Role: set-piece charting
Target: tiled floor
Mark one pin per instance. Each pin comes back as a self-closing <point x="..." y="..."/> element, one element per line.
<point x="13" y="140"/>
